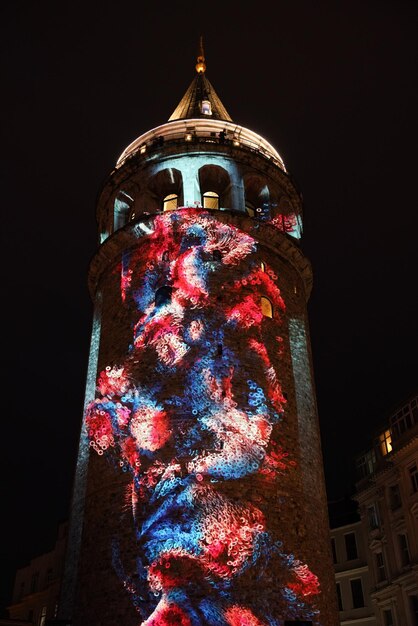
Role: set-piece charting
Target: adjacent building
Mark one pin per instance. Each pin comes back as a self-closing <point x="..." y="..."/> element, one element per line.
<point x="387" y="496"/>
<point x="37" y="586"/>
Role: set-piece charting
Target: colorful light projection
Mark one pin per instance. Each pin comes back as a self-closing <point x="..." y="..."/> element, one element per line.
<point x="194" y="414"/>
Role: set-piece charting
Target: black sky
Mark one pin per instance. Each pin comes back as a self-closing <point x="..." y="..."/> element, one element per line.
<point x="332" y="85"/>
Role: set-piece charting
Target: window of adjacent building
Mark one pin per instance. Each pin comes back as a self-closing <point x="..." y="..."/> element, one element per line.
<point x="48" y="576"/>
<point x="350" y="546"/>
<point x="266" y="307"/>
<point x="210" y="200"/>
<point x="263" y="266"/>
<point x="21" y="590"/>
<point x="170" y="202"/>
<point x="395" y="497"/>
<point x="372" y="517"/>
<point x="34" y="582"/>
<point x="334" y="550"/>
<point x="365" y="464"/>
<point x="339" y="597"/>
<point x="414" y="609"/>
<point x="404" y="418"/>
<point x="380" y="567"/>
<point x="404" y="549"/>
<point x="388" y="618"/>
<point x="42" y="617"/>
<point x="357" y="593"/>
<point x="385" y="442"/>
<point x="413" y="473"/>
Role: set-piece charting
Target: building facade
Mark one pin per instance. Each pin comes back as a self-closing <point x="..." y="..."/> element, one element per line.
<point x="37" y="586"/>
<point x="387" y="496"/>
<point x="199" y="496"/>
<point x="352" y="576"/>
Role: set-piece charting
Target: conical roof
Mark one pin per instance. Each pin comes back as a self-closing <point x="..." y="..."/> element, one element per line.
<point x="200" y="99"/>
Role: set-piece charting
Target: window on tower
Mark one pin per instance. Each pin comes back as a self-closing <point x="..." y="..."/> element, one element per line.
<point x="266" y="307"/>
<point x="170" y="202"/>
<point x="210" y="200"/>
<point x="206" y="107"/>
<point x="163" y="296"/>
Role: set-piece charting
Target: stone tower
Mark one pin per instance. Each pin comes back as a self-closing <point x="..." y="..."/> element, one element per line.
<point x="199" y="496"/>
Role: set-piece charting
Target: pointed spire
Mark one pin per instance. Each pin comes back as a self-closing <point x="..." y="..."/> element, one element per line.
<point x="200" y="100"/>
<point x="201" y="65"/>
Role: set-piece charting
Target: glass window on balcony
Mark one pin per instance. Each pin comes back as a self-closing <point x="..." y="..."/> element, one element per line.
<point x="211" y="200"/>
<point x="170" y="202"/>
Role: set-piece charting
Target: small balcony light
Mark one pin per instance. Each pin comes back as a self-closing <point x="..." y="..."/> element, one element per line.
<point x="143" y="148"/>
<point x="235" y="142"/>
<point x="188" y="136"/>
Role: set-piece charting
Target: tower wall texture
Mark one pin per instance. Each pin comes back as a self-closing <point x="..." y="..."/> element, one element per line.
<point x="204" y="499"/>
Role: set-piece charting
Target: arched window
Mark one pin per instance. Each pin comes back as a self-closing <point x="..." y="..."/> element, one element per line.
<point x="266" y="307"/>
<point x="170" y="202"/>
<point x="211" y="200"/>
<point x="163" y="296"/>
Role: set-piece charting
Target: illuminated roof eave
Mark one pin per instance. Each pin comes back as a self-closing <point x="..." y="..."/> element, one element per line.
<point x="179" y="128"/>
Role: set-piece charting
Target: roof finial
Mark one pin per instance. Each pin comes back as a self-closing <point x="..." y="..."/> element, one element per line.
<point x="200" y="65"/>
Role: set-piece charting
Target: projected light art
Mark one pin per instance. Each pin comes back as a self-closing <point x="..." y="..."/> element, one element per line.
<point x="194" y="414"/>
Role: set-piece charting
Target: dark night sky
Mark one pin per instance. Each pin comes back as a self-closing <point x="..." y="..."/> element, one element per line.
<point x="332" y="85"/>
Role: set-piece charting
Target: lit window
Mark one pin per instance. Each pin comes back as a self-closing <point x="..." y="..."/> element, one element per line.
<point x="170" y="202"/>
<point x="143" y="148"/>
<point x="263" y="266"/>
<point x="211" y="200"/>
<point x="206" y="107"/>
<point x="266" y="307"/>
<point x="132" y="216"/>
<point x="385" y="441"/>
